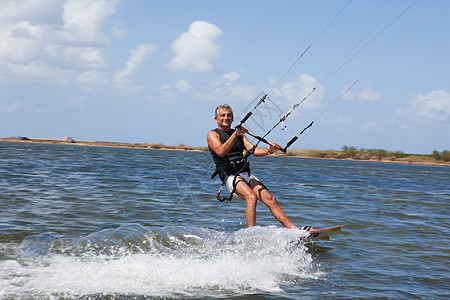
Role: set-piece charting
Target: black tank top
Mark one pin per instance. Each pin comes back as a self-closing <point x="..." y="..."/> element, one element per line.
<point x="231" y="162"/>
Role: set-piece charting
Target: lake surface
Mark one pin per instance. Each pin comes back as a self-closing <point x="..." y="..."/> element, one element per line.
<point x="109" y="223"/>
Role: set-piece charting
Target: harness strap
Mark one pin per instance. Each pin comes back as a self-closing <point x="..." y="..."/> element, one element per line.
<point x="229" y="198"/>
<point x="245" y="166"/>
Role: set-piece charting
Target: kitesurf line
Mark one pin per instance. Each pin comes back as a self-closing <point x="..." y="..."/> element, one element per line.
<point x="252" y="150"/>
<point x="262" y="139"/>
<point x="284" y="117"/>
<point x="310" y="45"/>
<point x="366" y="72"/>
<point x="347" y="59"/>
<point x="344" y="60"/>
<point x="334" y="70"/>
<point x="262" y="100"/>
<point x="384" y="56"/>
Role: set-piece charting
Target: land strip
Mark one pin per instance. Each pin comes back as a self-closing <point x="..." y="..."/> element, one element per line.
<point x="348" y="153"/>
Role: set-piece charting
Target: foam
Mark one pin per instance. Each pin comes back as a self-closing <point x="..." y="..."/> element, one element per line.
<point x="168" y="262"/>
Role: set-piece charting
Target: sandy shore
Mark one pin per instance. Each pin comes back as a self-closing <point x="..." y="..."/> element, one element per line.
<point x="103" y="144"/>
<point x="411" y="159"/>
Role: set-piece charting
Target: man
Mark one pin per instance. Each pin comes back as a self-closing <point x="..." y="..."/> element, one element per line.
<point x="226" y="146"/>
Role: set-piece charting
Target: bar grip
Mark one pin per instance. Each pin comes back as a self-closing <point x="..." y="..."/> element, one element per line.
<point x="246" y="117"/>
<point x="289" y="144"/>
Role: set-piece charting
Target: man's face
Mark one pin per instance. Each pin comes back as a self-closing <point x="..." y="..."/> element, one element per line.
<point x="224" y="118"/>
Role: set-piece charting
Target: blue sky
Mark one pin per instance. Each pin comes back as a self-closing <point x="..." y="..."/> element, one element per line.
<point x="154" y="71"/>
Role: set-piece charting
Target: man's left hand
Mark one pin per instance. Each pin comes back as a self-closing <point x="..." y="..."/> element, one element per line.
<point x="274" y="147"/>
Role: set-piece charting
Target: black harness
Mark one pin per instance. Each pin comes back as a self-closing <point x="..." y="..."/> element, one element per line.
<point x="231" y="164"/>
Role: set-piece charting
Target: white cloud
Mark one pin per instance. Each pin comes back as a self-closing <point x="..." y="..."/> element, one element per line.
<point x="198" y="49"/>
<point x="118" y="30"/>
<point x="83" y="20"/>
<point x="20" y="41"/>
<point x="434" y="106"/>
<point x="226" y="89"/>
<point x="34" y="10"/>
<point x="126" y="77"/>
<point x="183" y="86"/>
<point x="294" y="92"/>
<point x="232" y="76"/>
<point x="174" y="93"/>
<point x="92" y="79"/>
<point x="33" y="69"/>
<point x="368" y="94"/>
<point x="84" y="58"/>
<point x="53" y="40"/>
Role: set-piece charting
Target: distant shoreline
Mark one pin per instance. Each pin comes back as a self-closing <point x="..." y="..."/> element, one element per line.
<point x="305" y="153"/>
<point x="69" y="141"/>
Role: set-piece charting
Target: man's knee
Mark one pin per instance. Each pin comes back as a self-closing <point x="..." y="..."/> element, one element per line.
<point x="251" y="199"/>
<point x="271" y="202"/>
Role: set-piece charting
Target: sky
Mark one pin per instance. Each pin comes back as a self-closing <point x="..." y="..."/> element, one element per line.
<point x="373" y="74"/>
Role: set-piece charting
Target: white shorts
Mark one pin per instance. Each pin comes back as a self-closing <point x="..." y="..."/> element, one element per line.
<point x="247" y="178"/>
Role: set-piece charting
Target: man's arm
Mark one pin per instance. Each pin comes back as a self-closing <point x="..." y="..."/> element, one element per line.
<point x="261" y="151"/>
<point x="216" y="145"/>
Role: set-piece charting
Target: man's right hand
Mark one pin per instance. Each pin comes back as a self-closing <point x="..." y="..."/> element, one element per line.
<point x="240" y="130"/>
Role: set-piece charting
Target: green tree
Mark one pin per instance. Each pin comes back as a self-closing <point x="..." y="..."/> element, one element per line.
<point x="445" y="155"/>
<point x="349" y="151"/>
<point x="436" y="155"/>
<point x="377" y="153"/>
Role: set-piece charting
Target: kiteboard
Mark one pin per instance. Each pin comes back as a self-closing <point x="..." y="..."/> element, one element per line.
<point x="324" y="233"/>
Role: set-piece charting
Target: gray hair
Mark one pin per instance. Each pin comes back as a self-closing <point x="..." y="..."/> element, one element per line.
<point x="223" y="106"/>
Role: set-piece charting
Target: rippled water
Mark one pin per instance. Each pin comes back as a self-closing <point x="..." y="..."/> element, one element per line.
<point x="110" y="223"/>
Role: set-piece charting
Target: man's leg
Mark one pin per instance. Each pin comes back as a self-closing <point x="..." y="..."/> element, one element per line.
<point x="263" y="194"/>
<point x="246" y="193"/>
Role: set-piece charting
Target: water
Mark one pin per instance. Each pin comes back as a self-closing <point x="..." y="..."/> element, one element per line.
<point x="108" y="223"/>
